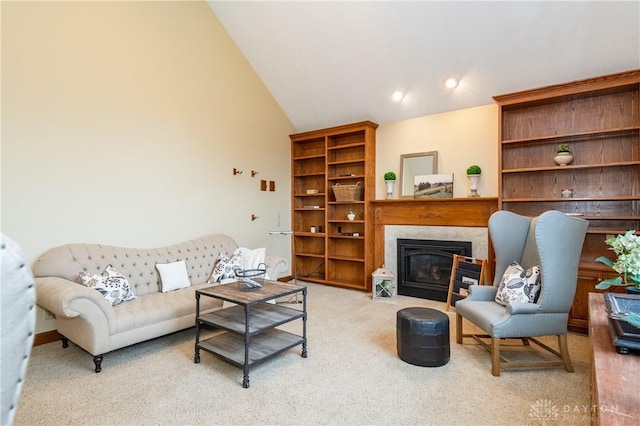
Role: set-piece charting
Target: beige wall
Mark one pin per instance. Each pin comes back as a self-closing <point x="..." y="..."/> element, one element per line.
<point x="462" y="138"/>
<point x="122" y="122"/>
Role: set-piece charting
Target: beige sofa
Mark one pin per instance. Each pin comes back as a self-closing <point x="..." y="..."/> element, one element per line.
<point x="86" y="318"/>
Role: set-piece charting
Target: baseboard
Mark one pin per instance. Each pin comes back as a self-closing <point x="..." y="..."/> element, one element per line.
<point x="285" y="279"/>
<point x="46" y="337"/>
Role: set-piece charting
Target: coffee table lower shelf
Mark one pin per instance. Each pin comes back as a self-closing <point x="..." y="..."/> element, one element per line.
<point x="264" y="346"/>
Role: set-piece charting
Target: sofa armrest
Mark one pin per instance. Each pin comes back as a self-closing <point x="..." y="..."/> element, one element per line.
<point x="482" y="292"/>
<point x="58" y="295"/>
<point x="276" y="265"/>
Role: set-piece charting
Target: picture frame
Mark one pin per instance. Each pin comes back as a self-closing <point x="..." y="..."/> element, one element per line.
<point x="465" y="271"/>
<point x="433" y="186"/>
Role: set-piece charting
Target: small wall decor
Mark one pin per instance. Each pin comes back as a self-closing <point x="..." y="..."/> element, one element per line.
<point x="236" y="171"/>
<point x="433" y="186"/>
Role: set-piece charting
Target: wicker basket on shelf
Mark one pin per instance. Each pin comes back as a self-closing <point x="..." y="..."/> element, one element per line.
<point x="348" y="192"/>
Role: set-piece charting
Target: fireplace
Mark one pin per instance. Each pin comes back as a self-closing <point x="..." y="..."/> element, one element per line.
<point x="424" y="266"/>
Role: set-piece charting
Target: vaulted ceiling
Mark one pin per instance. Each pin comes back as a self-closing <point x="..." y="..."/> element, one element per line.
<point x="328" y="63"/>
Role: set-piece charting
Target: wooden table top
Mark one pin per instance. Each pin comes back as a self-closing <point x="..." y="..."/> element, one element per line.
<point x="616" y="378"/>
<point x="234" y="293"/>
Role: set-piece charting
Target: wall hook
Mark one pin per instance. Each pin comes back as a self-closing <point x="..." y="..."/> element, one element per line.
<point x="254" y="217"/>
<point x="253" y="173"/>
<point x="236" y="171"/>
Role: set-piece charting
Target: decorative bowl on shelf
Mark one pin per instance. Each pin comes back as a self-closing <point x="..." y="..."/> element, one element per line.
<point x="566" y="193"/>
<point x="351" y="216"/>
<point x="563" y="158"/>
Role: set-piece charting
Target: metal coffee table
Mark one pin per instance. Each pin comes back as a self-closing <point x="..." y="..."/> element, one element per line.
<point x="250" y="334"/>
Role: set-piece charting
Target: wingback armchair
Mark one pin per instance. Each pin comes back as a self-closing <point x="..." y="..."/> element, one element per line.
<point x="553" y="241"/>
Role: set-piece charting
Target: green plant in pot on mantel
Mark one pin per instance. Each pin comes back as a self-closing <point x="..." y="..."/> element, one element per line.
<point x="390" y="180"/>
<point x="627" y="264"/>
<point x="473" y="173"/>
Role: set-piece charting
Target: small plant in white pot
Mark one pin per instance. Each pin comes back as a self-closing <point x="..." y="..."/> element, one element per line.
<point x="473" y="173"/>
<point x="563" y="155"/>
<point x="390" y="180"/>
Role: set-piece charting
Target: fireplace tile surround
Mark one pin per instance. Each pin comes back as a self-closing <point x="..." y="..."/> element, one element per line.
<point x="479" y="238"/>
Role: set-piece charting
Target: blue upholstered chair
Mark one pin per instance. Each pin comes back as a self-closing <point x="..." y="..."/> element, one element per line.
<point x="553" y="241"/>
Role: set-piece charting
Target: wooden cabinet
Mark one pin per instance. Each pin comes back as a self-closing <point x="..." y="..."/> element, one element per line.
<point x="599" y="119"/>
<point x="588" y="277"/>
<point x="338" y="251"/>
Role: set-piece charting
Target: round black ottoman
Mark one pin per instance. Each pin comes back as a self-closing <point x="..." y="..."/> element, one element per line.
<point x="423" y="336"/>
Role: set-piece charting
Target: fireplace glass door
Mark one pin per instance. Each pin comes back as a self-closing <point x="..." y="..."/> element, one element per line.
<point x="424" y="266"/>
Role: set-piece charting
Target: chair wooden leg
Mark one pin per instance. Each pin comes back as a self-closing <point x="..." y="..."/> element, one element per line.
<point x="495" y="356"/>
<point x="564" y="351"/>
<point x="458" y="328"/>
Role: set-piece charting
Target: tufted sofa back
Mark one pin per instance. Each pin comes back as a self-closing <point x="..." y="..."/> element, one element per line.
<point x="138" y="265"/>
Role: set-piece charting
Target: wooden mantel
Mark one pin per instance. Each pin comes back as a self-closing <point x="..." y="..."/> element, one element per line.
<point x="472" y="212"/>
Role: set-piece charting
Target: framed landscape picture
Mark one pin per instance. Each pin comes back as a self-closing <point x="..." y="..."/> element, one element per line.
<point x="433" y="186"/>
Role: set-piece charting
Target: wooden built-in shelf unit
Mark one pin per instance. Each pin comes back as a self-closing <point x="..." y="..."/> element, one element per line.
<point x="321" y="159"/>
<point x="599" y="119"/>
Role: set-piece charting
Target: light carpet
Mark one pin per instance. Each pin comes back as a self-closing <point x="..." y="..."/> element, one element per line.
<point x="352" y="376"/>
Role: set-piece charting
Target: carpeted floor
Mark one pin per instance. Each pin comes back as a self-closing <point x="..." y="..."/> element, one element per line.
<point x="352" y="376"/>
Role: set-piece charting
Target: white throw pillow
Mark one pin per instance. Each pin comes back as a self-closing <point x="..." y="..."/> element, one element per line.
<point x="111" y="284"/>
<point x="253" y="259"/>
<point x="518" y="285"/>
<point x="174" y="275"/>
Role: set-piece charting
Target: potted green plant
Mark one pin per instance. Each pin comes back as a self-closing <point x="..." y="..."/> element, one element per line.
<point x="390" y="180"/>
<point x="473" y="173"/>
<point x="627" y="264"/>
<point x="474" y="170"/>
<point x="563" y="155"/>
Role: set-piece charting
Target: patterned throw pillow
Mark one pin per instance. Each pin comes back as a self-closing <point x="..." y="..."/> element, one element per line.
<point x="518" y="285"/>
<point x="226" y="267"/>
<point x="111" y="284"/>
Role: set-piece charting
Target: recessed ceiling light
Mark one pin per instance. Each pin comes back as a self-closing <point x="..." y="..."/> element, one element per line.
<point x="451" y="82"/>
<point x="397" y="96"/>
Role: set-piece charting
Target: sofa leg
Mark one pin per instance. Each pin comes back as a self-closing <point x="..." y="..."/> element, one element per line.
<point x="97" y="360"/>
<point x="65" y="341"/>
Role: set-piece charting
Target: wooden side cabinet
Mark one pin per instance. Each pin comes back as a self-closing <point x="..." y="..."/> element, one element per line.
<point x="599" y="119"/>
<point x="328" y="247"/>
<point x="587" y="280"/>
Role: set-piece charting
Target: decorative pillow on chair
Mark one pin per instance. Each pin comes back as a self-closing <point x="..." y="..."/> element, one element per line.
<point x="518" y="285"/>
<point x="111" y="284"/>
<point x="173" y="276"/>
<point x="226" y="267"/>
